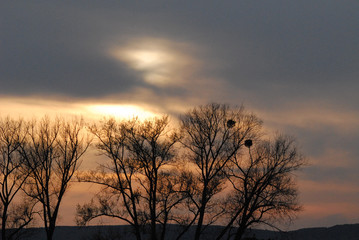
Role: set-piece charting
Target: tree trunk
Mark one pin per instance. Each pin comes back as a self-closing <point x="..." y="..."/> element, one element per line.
<point x="239" y="233"/>
<point x="153" y="231"/>
<point x="153" y="216"/>
<point x="154" y="199"/>
<point x="199" y="224"/>
<point x="201" y="213"/>
<point x="51" y="229"/>
<point x="137" y="232"/>
<point x="3" y="224"/>
<point x="229" y="225"/>
<point x="163" y="234"/>
<point x="49" y="233"/>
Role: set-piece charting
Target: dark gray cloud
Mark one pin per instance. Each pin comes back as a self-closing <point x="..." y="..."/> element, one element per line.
<point x="266" y="49"/>
<point x="51" y="49"/>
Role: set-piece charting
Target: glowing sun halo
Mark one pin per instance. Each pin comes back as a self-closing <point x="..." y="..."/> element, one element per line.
<point x="157" y="65"/>
<point x="143" y="59"/>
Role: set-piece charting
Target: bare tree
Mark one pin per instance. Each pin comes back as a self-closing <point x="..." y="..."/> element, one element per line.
<point x="144" y="186"/>
<point x="52" y="153"/>
<point x="214" y="134"/>
<point x="12" y="177"/>
<point x="172" y="193"/>
<point x="120" y="196"/>
<point x="263" y="185"/>
<point x="138" y="152"/>
<point x="152" y="146"/>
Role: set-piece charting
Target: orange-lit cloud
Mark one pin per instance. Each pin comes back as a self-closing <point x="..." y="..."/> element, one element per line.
<point x="322" y="210"/>
<point x="333" y="158"/>
<point x="328" y="187"/>
<point x="313" y="116"/>
<point x="327" y="203"/>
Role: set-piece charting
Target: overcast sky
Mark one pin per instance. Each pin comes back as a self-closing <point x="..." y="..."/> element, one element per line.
<point x="293" y="63"/>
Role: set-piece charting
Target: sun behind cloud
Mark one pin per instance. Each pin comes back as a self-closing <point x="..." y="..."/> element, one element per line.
<point x="161" y="62"/>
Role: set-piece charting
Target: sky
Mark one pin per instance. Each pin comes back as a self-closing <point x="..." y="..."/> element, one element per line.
<point x="295" y="64"/>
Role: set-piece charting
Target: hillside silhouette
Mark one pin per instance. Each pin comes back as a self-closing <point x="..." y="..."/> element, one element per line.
<point x="338" y="232"/>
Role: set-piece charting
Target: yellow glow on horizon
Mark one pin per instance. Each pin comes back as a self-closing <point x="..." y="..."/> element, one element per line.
<point x="34" y="107"/>
<point x="122" y="111"/>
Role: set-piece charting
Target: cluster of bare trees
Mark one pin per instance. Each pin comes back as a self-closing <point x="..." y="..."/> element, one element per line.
<point x="37" y="162"/>
<point x="214" y="168"/>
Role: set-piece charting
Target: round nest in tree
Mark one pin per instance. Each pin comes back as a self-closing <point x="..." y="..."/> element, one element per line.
<point x="248" y="143"/>
<point x="231" y="123"/>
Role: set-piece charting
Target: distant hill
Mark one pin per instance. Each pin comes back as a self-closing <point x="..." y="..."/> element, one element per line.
<point x="339" y="232"/>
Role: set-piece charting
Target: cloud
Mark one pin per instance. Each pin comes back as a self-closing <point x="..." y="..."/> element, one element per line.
<point x="327" y="187"/>
<point x="334" y="158"/>
<point x="327" y="132"/>
<point x="327" y="203"/>
<point x="313" y="116"/>
<point x="328" y="220"/>
<point x="262" y="53"/>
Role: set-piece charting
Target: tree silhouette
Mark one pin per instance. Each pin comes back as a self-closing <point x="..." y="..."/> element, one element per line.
<point x="139" y="151"/>
<point x="52" y="153"/>
<point x="120" y="196"/>
<point x="263" y="185"/>
<point x="151" y="181"/>
<point x="12" y="177"/>
<point x="214" y="134"/>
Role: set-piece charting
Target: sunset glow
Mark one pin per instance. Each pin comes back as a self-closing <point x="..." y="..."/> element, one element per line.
<point x="121" y="111"/>
<point x="31" y="108"/>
